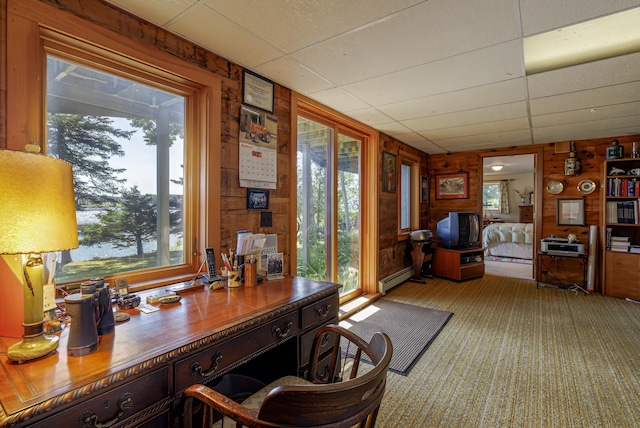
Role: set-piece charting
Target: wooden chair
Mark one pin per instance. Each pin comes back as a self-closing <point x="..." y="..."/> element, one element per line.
<point x="292" y="401"/>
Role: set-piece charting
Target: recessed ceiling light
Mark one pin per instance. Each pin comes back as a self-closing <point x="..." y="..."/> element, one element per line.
<point x="497" y="167"/>
<point x="613" y="35"/>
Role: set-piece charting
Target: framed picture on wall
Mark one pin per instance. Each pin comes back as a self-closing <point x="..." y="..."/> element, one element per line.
<point x="452" y="186"/>
<point x="257" y="199"/>
<point x="570" y="212"/>
<point x="389" y="172"/>
<point x="424" y="189"/>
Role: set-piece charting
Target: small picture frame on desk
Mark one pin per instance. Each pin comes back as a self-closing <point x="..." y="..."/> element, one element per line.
<point x="570" y="212"/>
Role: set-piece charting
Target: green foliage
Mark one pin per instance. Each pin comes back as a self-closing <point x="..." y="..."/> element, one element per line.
<point x="78" y="271"/>
<point x="131" y="222"/>
<point x="149" y="129"/>
<point x="87" y="143"/>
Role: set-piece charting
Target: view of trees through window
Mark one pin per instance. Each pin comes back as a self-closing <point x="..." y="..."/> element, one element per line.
<point x="318" y="195"/>
<point x="125" y="141"/>
<point x="491" y="196"/>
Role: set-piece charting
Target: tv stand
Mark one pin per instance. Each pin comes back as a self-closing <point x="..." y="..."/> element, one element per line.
<point x="458" y="265"/>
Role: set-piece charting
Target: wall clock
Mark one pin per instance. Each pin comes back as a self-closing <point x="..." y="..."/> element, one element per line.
<point x="555" y="187"/>
<point x="586" y="186"/>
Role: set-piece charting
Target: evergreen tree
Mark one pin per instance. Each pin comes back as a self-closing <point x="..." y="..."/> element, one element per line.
<point x="87" y="143"/>
<point x="131" y="222"/>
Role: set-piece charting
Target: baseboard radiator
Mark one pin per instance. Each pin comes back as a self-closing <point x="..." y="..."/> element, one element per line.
<point x="397" y="278"/>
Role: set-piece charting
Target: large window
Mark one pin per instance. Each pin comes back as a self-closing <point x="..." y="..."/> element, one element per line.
<point x="125" y="141"/>
<point x="328" y="171"/>
<point x="408" y="212"/>
<point x="335" y="186"/>
<point x="142" y="132"/>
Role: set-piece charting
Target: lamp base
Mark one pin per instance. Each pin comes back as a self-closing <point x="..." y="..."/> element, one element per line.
<point x="35" y="344"/>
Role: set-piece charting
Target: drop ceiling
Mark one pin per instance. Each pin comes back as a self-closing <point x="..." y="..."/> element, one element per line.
<point x="439" y="75"/>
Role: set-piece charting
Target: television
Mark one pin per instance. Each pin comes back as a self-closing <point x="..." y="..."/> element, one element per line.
<point x="460" y="230"/>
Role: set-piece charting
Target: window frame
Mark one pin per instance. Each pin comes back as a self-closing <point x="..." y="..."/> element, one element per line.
<point x="47" y="31"/>
<point x="413" y="162"/>
<point x="310" y="109"/>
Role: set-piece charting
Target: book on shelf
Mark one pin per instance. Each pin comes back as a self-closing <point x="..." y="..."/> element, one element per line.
<point x="619" y="239"/>
<point x="634" y="249"/>
<point x="620" y="249"/>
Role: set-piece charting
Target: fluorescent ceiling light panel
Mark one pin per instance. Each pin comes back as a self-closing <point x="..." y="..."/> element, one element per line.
<point x="606" y="37"/>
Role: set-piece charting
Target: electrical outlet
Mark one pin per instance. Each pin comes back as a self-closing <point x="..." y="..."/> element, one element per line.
<point x="266" y="219"/>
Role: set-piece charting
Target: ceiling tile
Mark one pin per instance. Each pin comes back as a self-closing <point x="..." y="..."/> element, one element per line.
<point x="481" y="67"/>
<point x="293" y="75"/>
<point x="604" y="73"/>
<point x="216" y="33"/>
<point x="586" y="115"/>
<point x="293" y="25"/>
<point x="485" y="115"/>
<point x="466" y="99"/>
<point x="543" y="15"/>
<point x="422" y="34"/>
<point x="339" y="100"/>
<point x="588" y="99"/>
<point x="159" y="12"/>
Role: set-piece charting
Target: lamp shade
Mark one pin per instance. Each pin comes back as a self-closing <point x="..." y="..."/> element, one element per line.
<point x="37" y="204"/>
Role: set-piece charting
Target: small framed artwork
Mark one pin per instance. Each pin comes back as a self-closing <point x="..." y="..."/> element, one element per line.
<point x="452" y="186"/>
<point x="389" y="172"/>
<point x="257" y="199"/>
<point x="424" y="189"/>
<point x="570" y="212"/>
<point x="257" y="91"/>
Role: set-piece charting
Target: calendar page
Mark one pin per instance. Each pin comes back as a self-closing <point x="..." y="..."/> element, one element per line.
<point x="258" y="164"/>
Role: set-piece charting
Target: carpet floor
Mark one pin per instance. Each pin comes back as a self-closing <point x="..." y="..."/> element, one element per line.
<point x="411" y="329"/>
<point x="517" y="356"/>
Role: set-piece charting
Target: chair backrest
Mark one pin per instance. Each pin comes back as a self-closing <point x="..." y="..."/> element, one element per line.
<point x="344" y="402"/>
<point x="341" y="404"/>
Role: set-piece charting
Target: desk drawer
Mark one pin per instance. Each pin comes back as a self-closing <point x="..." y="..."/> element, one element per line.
<point x="209" y="363"/>
<point x="306" y="342"/>
<point x="321" y="310"/>
<point x="113" y="407"/>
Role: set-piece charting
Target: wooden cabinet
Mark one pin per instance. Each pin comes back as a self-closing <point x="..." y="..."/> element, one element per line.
<point x="458" y="264"/>
<point x="137" y="375"/>
<point x="526" y="214"/>
<point x="620" y="219"/>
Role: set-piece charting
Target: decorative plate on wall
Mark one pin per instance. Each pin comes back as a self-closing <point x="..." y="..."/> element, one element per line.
<point x="586" y="186"/>
<point x="555" y="187"/>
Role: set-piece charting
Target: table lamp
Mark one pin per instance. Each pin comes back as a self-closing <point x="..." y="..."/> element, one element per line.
<point x="37" y="215"/>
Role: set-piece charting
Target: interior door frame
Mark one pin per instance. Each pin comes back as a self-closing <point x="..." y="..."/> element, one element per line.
<point x="538" y="186"/>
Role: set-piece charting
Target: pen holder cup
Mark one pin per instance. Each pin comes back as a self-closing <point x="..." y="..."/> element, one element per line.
<point x="251" y="274"/>
<point x="234" y="279"/>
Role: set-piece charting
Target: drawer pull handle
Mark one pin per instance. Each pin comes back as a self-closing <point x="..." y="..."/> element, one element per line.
<point x="275" y="330"/>
<point x="90" y="419"/>
<point x="325" y="340"/>
<point x="323" y="312"/>
<point x="196" y="368"/>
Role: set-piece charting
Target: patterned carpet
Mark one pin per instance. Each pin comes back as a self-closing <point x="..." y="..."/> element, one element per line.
<point x="514" y="355"/>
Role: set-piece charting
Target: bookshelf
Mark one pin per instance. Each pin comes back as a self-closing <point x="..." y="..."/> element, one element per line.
<point x="620" y="228"/>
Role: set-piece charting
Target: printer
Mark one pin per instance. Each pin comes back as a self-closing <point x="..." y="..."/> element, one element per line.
<point x="555" y="246"/>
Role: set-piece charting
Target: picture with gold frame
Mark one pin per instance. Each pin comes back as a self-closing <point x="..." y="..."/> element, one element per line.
<point x="452" y="186"/>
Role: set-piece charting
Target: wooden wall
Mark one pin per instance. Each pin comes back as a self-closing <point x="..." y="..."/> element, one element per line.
<point x="591" y="153"/>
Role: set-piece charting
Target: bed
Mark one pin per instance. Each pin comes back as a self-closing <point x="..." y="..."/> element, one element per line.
<point x="513" y="240"/>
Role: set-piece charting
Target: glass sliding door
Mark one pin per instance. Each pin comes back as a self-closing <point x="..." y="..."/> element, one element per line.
<point x="328" y="204"/>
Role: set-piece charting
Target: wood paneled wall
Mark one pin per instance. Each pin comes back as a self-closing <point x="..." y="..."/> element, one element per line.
<point x="591" y="153"/>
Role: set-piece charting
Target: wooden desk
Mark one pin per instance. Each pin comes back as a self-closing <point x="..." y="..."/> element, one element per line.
<point x="142" y="368"/>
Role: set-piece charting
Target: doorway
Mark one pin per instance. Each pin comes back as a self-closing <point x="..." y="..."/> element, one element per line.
<point x="508" y="206"/>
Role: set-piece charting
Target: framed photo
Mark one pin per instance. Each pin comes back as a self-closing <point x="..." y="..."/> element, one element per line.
<point x="452" y="186"/>
<point x="389" y="172"/>
<point x="424" y="189"/>
<point x="257" y="91"/>
<point x="257" y="199"/>
<point x="570" y="212"/>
